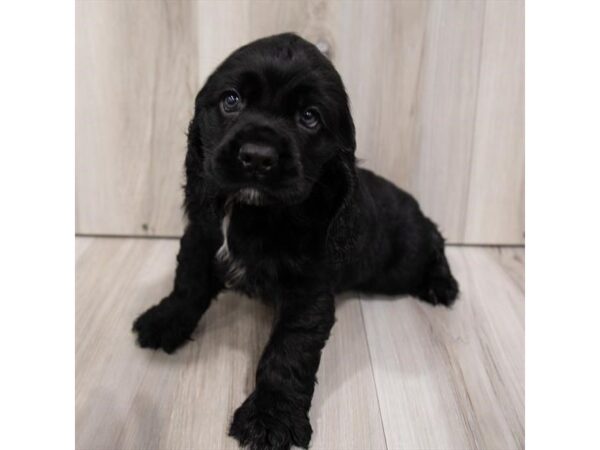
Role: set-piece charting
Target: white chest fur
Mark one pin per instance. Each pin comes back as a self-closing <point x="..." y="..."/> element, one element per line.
<point x="235" y="271"/>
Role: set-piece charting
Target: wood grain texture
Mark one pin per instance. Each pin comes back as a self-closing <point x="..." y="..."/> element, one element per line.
<point x="136" y="79"/>
<point x="496" y="181"/>
<point x="454" y="378"/>
<point x="129" y="398"/>
<point x="436" y="92"/>
<point x="404" y="376"/>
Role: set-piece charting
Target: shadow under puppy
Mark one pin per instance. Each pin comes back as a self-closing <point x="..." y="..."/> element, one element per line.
<point x="277" y="209"/>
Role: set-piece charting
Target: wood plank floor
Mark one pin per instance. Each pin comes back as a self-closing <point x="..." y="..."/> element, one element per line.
<point x="395" y="374"/>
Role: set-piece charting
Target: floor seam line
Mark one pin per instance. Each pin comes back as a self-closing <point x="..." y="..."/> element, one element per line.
<point x="174" y="237"/>
<point x="362" y="315"/>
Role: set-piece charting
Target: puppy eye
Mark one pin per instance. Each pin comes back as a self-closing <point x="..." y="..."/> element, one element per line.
<point x="231" y="102"/>
<point x="310" y="118"/>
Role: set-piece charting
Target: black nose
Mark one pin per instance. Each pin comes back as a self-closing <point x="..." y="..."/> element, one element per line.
<point x="259" y="158"/>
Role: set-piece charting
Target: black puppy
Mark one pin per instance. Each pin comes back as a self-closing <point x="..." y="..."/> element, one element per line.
<point x="278" y="209"/>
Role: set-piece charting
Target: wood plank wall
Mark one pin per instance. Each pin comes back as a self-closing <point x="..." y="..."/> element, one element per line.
<point x="436" y="89"/>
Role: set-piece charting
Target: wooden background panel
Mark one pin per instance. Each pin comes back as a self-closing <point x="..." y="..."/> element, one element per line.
<point x="445" y="112"/>
<point x="136" y="77"/>
<point x="496" y="206"/>
<point x="436" y="90"/>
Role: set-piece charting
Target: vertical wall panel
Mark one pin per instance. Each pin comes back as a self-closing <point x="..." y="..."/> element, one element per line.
<point x="136" y="76"/>
<point x="496" y="208"/>
<point x="436" y="90"/>
<point x="446" y="111"/>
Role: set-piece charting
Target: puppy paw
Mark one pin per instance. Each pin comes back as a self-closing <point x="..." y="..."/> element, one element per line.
<point x="163" y="326"/>
<point x="267" y="421"/>
<point x="440" y="291"/>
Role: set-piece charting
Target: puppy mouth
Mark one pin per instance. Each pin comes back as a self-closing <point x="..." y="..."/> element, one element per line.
<point x="257" y="195"/>
<point x="250" y="196"/>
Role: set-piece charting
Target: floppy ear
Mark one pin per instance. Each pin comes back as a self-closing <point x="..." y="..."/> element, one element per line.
<point x="344" y="229"/>
<point x="195" y="186"/>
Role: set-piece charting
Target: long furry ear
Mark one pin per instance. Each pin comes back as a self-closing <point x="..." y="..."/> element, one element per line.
<point x="344" y="229"/>
<point x="195" y="186"/>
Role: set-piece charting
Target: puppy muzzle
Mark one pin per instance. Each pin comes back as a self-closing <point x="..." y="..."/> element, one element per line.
<point x="258" y="155"/>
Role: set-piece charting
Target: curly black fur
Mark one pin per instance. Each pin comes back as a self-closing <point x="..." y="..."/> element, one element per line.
<point x="305" y="226"/>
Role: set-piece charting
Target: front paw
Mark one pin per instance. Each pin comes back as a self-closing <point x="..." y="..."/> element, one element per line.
<point x="165" y="326"/>
<point x="442" y="291"/>
<point x="266" y="420"/>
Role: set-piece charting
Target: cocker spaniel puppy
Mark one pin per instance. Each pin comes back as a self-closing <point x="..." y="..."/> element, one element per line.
<point x="278" y="209"/>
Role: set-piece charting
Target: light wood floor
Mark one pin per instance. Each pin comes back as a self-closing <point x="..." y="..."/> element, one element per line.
<point x="395" y="374"/>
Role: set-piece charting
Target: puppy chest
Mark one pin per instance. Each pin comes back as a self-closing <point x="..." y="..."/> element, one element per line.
<point x="256" y="256"/>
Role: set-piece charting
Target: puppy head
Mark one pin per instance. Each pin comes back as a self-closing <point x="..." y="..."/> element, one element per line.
<point x="267" y="121"/>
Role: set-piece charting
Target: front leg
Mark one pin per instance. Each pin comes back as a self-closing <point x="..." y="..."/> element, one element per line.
<point x="169" y="324"/>
<point x="275" y="415"/>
